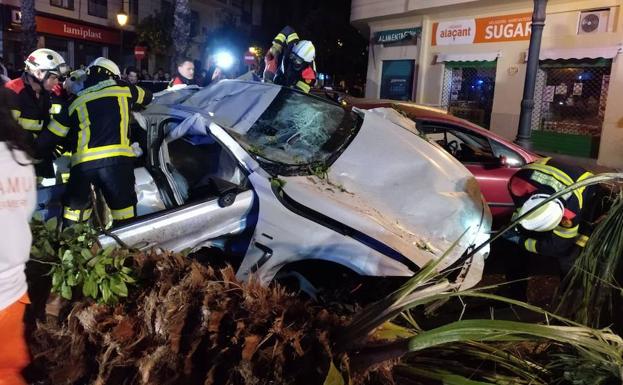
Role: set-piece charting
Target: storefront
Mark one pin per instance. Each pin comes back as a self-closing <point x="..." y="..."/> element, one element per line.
<point x="570" y="100"/>
<point x="77" y="42"/>
<point x="470" y="59"/>
<point x="393" y="63"/>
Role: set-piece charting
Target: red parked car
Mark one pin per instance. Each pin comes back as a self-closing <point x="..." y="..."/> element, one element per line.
<point x="491" y="158"/>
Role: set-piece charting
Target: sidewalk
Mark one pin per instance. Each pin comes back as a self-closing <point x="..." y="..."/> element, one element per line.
<point x="587" y="163"/>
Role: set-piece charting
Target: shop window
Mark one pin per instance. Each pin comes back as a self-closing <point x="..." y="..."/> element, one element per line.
<point x="570" y="102"/>
<point x="397" y="79"/>
<point x="468" y="90"/>
<point x="98" y="8"/>
<point x="67" y="4"/>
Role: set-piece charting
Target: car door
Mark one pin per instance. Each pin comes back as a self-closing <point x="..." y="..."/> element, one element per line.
<point x="487" y="162"/>
<point x="206" y="195"/>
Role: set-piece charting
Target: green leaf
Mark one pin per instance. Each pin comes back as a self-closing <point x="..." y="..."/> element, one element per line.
<point x="105" y="289"/>
<point x="71" y="279"/>
<point x="334" y="377"/>
<point x="86" y="254"/>
<point x="65" y="291"/>
<point x="68" y="257"/>
<point x="99" y="269"/>
<point x="89" y="289"/>
<point x="47" y="247"/>
<point x="51" y="225"/>
<point x="36" y="252"/>
<point x="119" y="287"/>
<point x="57" y="277"/>
<point x="390" y="331"/>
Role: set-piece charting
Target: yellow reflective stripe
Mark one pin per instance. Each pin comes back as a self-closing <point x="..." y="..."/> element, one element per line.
<point x="564" y="232"/>
<point x="280" y="37"/>
<point x="101" y="153"/>
<point x="74" y="215"/>
<point x="303" y="86"/>
<point x="105" y="93"/>
<point x="125" y="213"/>
<point x="310" y="48"/>
<point x="30" y="124"/>
<point x="141" y="95"/>
<point x="85" y="133"/>
<point x="58" y="129"/>
<point x="55" y="108"/>
<point x="123" y="121"/>
<point x="292" y="36"/>
<point x="582" y="240"/>
<point x="16" y="114"/>
<point x="530" y="245"/>
<point x="558" y="175"/>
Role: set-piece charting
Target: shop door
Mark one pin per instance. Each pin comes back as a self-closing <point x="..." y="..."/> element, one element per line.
<point x="468" y="90"/>
<point x="85" y="53"/>
<point x="570" y="102"/>
<point x="397" y="79"/>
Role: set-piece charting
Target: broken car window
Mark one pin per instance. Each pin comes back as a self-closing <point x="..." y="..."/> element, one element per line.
<point x="298" y="130"/>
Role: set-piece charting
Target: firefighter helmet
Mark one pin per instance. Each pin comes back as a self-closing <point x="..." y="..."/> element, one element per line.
<point x="43" y="61"/>
<point x="105" y="64"/>
<point x="305" y="50"/>
<point x="545" y="218"/>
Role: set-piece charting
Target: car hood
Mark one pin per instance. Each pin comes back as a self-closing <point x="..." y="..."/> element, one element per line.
<point x="398" y="188"/>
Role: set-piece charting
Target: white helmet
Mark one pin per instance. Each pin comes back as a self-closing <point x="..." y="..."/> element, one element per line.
<point x="106" y="64"/>
<point x="43" y="61"/>
<point x="305" y="50"/>
<point x="545" y="218"/>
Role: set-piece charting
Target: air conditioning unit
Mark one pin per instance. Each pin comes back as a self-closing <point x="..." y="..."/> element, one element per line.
<point x="593" y="21"/>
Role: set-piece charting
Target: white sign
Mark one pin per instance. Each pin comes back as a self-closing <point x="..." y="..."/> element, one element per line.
<point x="456" y="32"/>
<point x="16" y="16"/>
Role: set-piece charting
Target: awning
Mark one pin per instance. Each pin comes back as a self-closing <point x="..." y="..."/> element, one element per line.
<point x="578" y="53"/>
<point x="396" y="35"/>
<point x="483" y="56"/>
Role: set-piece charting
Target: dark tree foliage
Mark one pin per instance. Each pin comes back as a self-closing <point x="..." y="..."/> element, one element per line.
<point x="155" y="32"/>
<point x="29" y="27"/>
<point x="181" y="29"/>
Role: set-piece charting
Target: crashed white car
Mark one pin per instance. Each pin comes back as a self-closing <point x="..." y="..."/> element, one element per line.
<point x="280" y="178"/>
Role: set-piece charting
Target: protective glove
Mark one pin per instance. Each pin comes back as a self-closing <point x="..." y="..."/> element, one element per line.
<point x="136" y="149"/>
<point x="513" y="235"/>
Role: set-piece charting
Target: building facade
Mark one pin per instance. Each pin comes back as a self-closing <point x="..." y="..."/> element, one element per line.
<point x="82" y="30"/>
<point x="469" y="57"/>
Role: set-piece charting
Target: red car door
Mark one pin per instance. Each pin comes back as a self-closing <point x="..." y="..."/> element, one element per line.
<point x="480" y="156"/>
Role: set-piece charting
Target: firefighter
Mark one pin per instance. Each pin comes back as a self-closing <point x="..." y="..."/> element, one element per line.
<point x="290" y="61"/>
<point x="30" y="97"/>
<point x="560" y="228"/>
<point x="97" y="124"/>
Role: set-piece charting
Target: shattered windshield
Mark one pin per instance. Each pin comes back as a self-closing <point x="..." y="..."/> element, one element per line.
<point x="298" y="130"/>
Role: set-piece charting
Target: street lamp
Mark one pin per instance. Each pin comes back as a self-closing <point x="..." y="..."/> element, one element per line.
<point x="524" y="130"/>
<point x="122" y="20"/>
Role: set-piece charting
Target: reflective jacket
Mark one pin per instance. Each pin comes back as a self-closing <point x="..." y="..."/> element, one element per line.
<point x="283" y="44"/>
<point x="31" y="113"/>
<point x="550" y="176"/>
<point x="96" y="124"/>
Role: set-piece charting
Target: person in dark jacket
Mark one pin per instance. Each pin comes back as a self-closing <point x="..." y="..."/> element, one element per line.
<point x="290" y="61"/>
<point x="30" y="96"/>
<point x="96" y="123"/>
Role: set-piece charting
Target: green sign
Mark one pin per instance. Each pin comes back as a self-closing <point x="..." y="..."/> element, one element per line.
<point x="396" y="35"/>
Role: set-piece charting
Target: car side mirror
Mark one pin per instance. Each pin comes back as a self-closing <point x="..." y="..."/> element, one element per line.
<point x="503" y="161"/>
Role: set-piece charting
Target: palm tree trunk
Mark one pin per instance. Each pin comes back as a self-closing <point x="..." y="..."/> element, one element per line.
<point x="181" y="30"/>
<point x="29" y="28"/>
